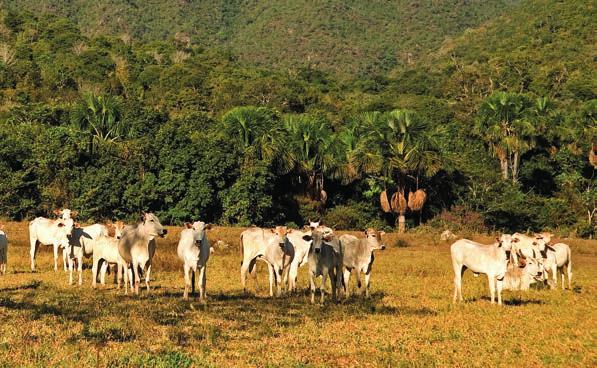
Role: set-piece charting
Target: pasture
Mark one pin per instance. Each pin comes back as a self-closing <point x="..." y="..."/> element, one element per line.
<point x="408" y="321"/>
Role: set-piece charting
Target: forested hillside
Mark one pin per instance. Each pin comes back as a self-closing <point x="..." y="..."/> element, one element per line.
<point x="341" y="37"/>
<point x="215" y="111"/>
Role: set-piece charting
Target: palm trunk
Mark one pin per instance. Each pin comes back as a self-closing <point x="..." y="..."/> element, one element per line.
<point x="401" y="223"/>
<point x="504" y="167"/>
<point x="515" y="165"/>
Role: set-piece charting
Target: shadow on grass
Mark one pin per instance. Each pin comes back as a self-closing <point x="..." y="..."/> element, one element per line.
<point x="32" y="285"/>
<point x="515" y="302"/>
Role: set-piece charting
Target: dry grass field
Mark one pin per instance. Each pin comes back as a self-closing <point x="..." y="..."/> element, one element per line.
<point x="408" y="321"/>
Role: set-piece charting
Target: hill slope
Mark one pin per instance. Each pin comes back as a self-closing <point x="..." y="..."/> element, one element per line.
<point x="343" y="37"/>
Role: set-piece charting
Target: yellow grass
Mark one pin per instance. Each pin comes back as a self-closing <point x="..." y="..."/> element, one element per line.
<point x="409" y="320"/>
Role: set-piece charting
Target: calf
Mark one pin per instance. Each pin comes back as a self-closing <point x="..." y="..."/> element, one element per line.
<point x="491" y="260"/>
<point x="194" y="250"/>
<point x="81" y="244"/>
<point x="105" y="249"/>
<point x="272" y="247"/>
<point x="358" y="256"/>
<point x="3" y="250"/>
<point x="49" y="232"/>
<point x="558" y="258"/>
<point x="325" y="258"/>
<point x="521" y="278"/>
<point x="137" y="247"/>
<point x="300" y="244"/>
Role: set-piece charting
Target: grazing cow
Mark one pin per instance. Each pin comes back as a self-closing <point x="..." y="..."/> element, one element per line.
<point x="325" y="258"/>
<point x="105" y="249"/>
<point x="272" y="247"/>
<point x="137" y="247"/>
<point x="491" y="260"/>
<point x="358" y="256"/>
<point x="301" y="252"/>
<point x="521" y="278"/>
<point x="558" y="257"/>
<point x="49" y="232"/>
<point x="194" y="250"/>
<point x="3" y="250"/>
<point x="119" y="228"/>
<point x="81" y="244"/>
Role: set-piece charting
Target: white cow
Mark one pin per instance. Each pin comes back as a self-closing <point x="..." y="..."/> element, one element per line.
<point x="358" y="256"/>
<point x="272" y="247"/>
<point x="105" y="249"/>
<point x="194" y="250"/>
<point x="137" y="247"/>
<point x="301" y="242"/>
<point x="49" y="232"/>
<point x="81" y="244"/>
<point x="3" y="250"/>
<point x="325" y="259"/>
<point x="521" y="278"/>
<point x="119" y="228"/>
<point x="558" y="257"/>
<point x="491" y="260"/>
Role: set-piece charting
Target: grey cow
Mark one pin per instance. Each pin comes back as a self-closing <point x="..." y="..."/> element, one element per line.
<point x="358" y="256"/>
<point x="325" y="259"/>
<point x="137" y="247"/>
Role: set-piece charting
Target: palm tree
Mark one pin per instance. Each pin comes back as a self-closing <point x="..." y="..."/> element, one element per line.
<point x="101" y="118"/>
<point x="505" y="123"/>
<point x="258" y="134"/>
<point x="311" y="149"/>
<point x="401" y="149"/>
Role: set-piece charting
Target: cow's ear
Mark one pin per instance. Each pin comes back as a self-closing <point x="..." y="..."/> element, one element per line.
<point x="307" y="237"/>
<point x="142" y="216"/>
<point x="382" y="233"/>
<point x="208" y="226"/>
<point x="187" y="225"/>
<point x="289" y="231"/>
<point x="74" y="213"/>
<point x="60" y="224"/>
<point x="57" y="212"/>
<point x="273" y="230"/>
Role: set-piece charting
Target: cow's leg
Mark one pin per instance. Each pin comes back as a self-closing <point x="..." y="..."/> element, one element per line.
<point x="244" y="269"/>
<point x="491" y="280"/>
<point x="148" y="271"/>
<point x="56" y="246"/>
<point x="499" y="284"/>
<point x="94" y="272"/>
<point x="554" y="276"/>
<point x="32" y="251"/>
<point x="346" y="280"/>
<point x="457" y="283"/>
<point x="312" y="285"/>
<point x="359" y="284"/>
<point x="103" y="271"/>
<point x="272" y="275"/>
<point x="64" y="258"/>
<point x="324" y="276"/>
<point x="118" y="274"/>
<point x="568" y="271"/>
<point x="136" y="276"/>
<point x="80" y="266"/>
<point x="71" y="265"/>
<point x="187" y="281"/>
<point x="367" y="277"/>
<point x="332" y="275"/>
<point x="202" y="283"/>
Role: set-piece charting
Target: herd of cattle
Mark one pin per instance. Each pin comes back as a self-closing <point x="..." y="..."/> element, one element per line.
<point x="514" y="262"/>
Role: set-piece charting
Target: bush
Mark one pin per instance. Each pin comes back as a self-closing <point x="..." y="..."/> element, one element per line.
<point x="459" y="218"/>
<point x="352" y="216"/>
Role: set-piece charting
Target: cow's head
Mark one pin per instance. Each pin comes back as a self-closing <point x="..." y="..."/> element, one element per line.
<point x="152" y="225"/>
<point x="118" y="229"/>
<point x="374" y="239"/>
<point x="65" y="213"/>
<point x="281" y="233"/>
<point x="199" y="229"/>
<point x="534" y="268"/>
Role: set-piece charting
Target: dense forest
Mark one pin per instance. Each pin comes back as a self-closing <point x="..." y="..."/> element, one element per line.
<point x="446" y="114"/>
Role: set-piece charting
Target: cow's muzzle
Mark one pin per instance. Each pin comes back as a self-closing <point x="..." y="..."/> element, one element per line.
<point x="163" y="233"/>
<point x="383" y="247"/>
<point x="282" y="245"/>
<point x="317" y="250"/>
